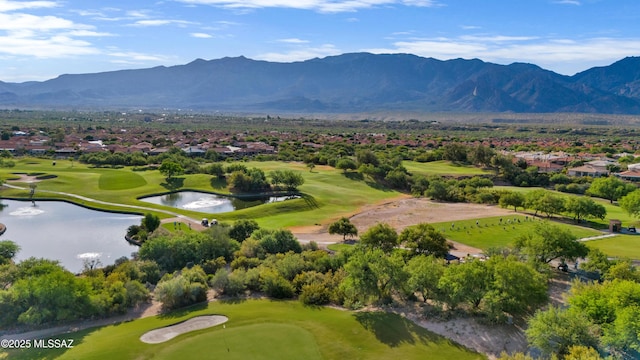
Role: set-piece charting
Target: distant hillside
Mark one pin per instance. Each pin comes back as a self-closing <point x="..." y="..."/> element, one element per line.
<point x="346" y="83"/>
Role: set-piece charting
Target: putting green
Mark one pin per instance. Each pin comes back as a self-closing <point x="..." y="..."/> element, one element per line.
<point x="256" y="341"/>
<point x="120" y="180"/>
<point x="262" y="329"/>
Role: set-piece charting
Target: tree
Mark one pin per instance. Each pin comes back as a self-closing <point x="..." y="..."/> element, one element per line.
<point x="45" y="292"/>
<point x="424" y="274"/>
<point x="555" y="330"/>
<point x="545" y="202"/>
<point x="424" y="239"/>
<point x="345" y="164"/>
<point x="343" y="227"/>
<point x="170" y="169"/>
<point x="150" y="222"/>
<point x="242" y="229"/>
<point x="291" y="179"/>
<point x="583" y="207"/>
<point x="615" y="307"/>
<point x="380" y="236"/>
<point x="598" y="261"/>
<point x="515" y="288"/>
<point x="8" y="250"/>
<point x="216" y="170"/>
<point x="631" y="203"/>
<point x="610" y="188"/>
<point x="467" y="282"/>
<point x="367" y="156"/>
<point x="481" y="155"/>
<point x="512" y="198"/>
<point x="455" y="152"/>
<point x="549" y="242"/>
<point x="277" y="241"/>
<point x="182" y="289"/>
<point x="578" y="352"/>
<point x="373" y="276"/>
<point x="438" y="190"/>
<point x="311" y="166"/>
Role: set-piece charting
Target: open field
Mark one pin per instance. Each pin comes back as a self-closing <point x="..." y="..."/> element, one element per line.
<point x="491" y="232"/>
<point x="442" y="167"/>
<point x="613" y="210"/>
<point x="328" y="193"/>
<point x="621" y="246"/>
<point x="263" y="329"/>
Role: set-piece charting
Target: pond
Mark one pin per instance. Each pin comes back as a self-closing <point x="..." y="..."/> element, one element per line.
<point x="65" y="232"/>
<point x="211" y="203"/>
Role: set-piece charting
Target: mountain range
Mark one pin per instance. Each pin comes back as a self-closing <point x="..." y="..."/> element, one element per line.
<point x="347" y="83"/>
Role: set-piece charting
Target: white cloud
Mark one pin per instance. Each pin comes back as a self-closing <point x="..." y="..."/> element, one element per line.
<point x="53" y="47"/>
<point x="562" y="55"/>
<point x="136" y="57"/>
<point x="137" y="14"/>
<point x="327" y="6"/>
<point x="7" y="5"/>
<point x="161" y="22"/>
<point x="568" y="2"/>
<point x="300" y="54"/>
<point x="42" y="36"/>
<point x="88" y="33"/>
<point x="293" y="41"/>
<point x="496" y="38"/>
<point x="201" y="35"/>
<point x="14" y="22"/>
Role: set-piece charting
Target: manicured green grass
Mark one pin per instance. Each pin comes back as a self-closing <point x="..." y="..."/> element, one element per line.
<point x="490" y="232"/>
<point x="328" y="193"/>
<point x="614" y="211"/>
<point x="339" y="247"/>
<point x="263" y="329"/>
<point x="620" y="246"/>
<point x="442" y="167"/>
<point x="120" y="180"/>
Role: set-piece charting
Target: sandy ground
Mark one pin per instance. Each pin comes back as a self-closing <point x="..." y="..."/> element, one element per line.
<point x="402" y="213"/>
<point x="167" y="333"/>
<point x="24" y="178"/>
<point x="491" y="340"/>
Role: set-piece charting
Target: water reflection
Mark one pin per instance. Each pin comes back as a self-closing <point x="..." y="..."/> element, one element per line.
<point x="211" y="203"/>
<point x="66" y="232"/>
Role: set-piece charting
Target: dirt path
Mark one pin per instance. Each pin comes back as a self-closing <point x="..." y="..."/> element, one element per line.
<point x="406" y="212"/>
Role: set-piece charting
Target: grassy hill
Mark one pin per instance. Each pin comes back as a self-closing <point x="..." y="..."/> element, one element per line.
<point x="264" y="329"/>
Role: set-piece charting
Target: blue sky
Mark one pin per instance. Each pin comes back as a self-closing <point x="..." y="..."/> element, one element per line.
<point x="42" y="39"/>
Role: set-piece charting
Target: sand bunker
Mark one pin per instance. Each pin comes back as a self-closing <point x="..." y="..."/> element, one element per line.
<point x="167" y="333"/>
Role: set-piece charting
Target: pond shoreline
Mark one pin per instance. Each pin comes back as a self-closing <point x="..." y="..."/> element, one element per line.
<point x="240" y="196"/>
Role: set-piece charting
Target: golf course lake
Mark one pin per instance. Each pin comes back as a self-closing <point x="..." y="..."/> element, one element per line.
<point x="68" y="233"/>
<point x="211" y="203"/>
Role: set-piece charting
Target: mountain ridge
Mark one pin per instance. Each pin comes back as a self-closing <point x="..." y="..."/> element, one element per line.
<point x="352" y="82"/>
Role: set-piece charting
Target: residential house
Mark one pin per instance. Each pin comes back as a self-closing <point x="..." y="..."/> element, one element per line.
<point x="631" y="175"/>
<point x="588" y="170"/>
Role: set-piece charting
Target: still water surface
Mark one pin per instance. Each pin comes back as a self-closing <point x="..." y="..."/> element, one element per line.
<point x="211" y="203"/>
<point x="65" y="232"/>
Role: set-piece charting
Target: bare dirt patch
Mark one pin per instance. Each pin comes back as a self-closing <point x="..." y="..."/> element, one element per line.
<point x="167" y="333"/>
<point x="404" y="212"/>
<point x="491" y="340"/>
